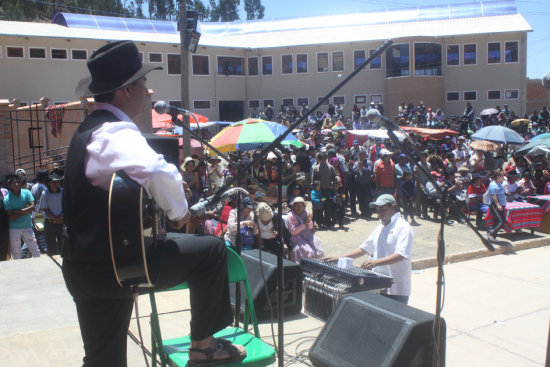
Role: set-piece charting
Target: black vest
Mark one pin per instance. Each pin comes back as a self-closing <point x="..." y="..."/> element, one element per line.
<point x="85" y="206"/>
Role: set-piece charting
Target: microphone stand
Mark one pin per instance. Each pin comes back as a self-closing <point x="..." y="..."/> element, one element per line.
<point x="445" y="199"/>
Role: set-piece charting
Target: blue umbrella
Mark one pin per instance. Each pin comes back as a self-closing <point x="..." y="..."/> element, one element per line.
<point x="541" y="136"/>
<point x="498" y="134"/>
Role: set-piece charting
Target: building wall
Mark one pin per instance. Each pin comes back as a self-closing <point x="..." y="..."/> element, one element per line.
<point x="30" y="79"/>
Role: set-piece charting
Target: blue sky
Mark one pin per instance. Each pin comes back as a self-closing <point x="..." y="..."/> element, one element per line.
<point x="536" y="12"/>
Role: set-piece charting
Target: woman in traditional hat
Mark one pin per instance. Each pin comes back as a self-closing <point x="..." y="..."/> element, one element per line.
<point x="191" y="177"/>
<point x="304" y="243"/>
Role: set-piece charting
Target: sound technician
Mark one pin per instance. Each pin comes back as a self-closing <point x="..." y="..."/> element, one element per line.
<point x="106" y="142"/>
<point x="389" y="247"/>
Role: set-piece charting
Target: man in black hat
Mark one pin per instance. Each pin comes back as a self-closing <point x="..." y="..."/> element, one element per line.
<point x="106" y="142"/>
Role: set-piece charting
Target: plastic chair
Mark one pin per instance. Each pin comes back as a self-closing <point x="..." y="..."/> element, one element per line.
<point x="175" y="352"/>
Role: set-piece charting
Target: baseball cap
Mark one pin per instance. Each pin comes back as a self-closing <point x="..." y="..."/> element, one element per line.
<point x="383" y="200"/>
<point x="246" y="202"/>
<point x="384" y="152"/>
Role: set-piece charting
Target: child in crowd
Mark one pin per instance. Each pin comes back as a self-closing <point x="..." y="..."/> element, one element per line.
<point x="337" y="197"/>
<point x="268" y="233"/>
<point x="317" y="203"/>
<point x="407" y="196"/>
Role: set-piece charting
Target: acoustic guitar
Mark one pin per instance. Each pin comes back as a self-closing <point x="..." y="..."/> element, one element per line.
<point x="136" y="223"/>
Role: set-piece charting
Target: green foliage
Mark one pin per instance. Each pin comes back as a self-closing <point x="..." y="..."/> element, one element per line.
<point x="254" y="9"/>
<point x="224" y="10"/>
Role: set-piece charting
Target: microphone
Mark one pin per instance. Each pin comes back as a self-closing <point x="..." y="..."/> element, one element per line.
<point x="373" y="115"/>
<point x="200" y="208"/>
<point x="163" y="107"/>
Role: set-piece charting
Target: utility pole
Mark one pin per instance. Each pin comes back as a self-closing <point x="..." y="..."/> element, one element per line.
<point x="184" y="56"/>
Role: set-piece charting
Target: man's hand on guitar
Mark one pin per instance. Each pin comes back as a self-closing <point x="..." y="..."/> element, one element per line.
<point x="178" y="223"/>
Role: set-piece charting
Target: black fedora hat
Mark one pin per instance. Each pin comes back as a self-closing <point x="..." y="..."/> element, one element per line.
<point x="112" y="67"/>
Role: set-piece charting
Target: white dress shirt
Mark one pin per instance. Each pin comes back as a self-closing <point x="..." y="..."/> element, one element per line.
<point x="120" y="145"/>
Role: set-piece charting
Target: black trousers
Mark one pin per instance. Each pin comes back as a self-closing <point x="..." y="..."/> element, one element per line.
<point x="498" y="221"/>
<point x="54" y="237"/>
<point x="364" y="198"/>
<point x="104" y="308"/>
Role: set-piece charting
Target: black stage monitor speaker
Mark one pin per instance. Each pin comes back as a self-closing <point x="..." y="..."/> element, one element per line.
<point x="369" y="330"/>
<point x="168" y="146"/>
<point x="292" y="283"/>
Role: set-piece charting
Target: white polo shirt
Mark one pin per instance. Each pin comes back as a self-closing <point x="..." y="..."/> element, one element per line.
<point x="396" y="237"/>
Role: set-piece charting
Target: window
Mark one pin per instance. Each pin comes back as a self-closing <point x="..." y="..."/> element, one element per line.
<point x="268" y="102"/>
<point x="301" y="63"/>
<point x="453" y="96"/>
<point x="427" y="59"/>
<point x="339" y="99"/>
<point x="287" y="64"/>
<point x="470" y="54"/>
<point x="155" y="57"/>
<point x="375" y="63"/>
<point x="322" y="62"/>
<point x="470" y="96"/>
<point x="324" y="103"/>
<point x="453" y="55"/>
<point x="360" y="99"/>
<point x="338" y="61"/>
<point x="37" y="53"/>
<point x="59" y="53"/>
<point x="252" y="66"/>
<point x="511" y="94"/>
<point x="174" y="64"/>
<point x="493" y="94"/>
<point x="201" y="105"/>
<point x="397" y="61"/>
<point x="79" y="54"/>
<point x="201" y="65"/>
<point x="267" y="65"/>
<point x="177" y="104"/>
<point x="303" y="101"/>
<point x="511" y="51"/>
<point x="254" y="103"/>
<point x="288" y="102"/>
<point x="141" y="56"/>
<point x="15" y="52"/>
<point x="493" y="53"/>
<point x="358" y="58"/>
<point x="229" y="65"/>
<point x="376" y="98"/>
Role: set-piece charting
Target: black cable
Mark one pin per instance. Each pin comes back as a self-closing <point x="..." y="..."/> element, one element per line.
<point x="135" y="295"/>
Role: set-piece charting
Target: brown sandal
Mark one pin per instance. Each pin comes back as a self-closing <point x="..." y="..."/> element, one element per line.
<point x="219" y="345"/>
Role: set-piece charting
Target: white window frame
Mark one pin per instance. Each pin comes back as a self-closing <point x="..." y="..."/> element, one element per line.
<point x="414" y="61"/>
<point x="0" y="52"/>
<point x="202" y="100"/>
<point x="291" y="60"/>
<point x="361" y="103"/>
<point x="263" y="105"/>
<point x="510" y="99"/>
<point x="504" y="52"/>
<point x="501" y="54"/>
<point x="353" y="57"/>
<point x="381" y="59"/>
<point x="452" y="91"/>
<point x="258" y="65"/>
<point x="261" y="67"/>
<point x="299" y="105"/>
<point x="37" y="58"/>
<point x="209" y="73"/>
<point x="59" y="48"/>
<point x="375" y="95"/>
<point x="307" y="63"/>
<point x="317" y="61"/>
<point x="494" y="90"/>
<point x="328" y="101"/>
<point x="283" y="99"/>
<point x="343" y="62"/>
<point x="469" y="91"/>
<point x="11" y="57"/>
<point x="168" y="64"/>
<point x="343" y="104"/>
<point x="155" y="62"/>
<point x="447" y="56"/>
<point x="252" y="100"/>
<point x="234" y="56"/>
<point x="79" y="49"/>
<point x="410" y="62"/>
<point x="477" y="55"/>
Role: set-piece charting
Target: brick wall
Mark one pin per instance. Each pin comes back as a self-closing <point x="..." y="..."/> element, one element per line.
<point x="537" y="95"/>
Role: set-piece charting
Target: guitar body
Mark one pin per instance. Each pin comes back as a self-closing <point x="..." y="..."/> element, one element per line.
<point x="135" y="224"/>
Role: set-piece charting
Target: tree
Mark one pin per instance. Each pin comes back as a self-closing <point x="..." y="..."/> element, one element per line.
<point x="202" y="10"/>
<point x="254" y="9"/>
<point x="224" y="10"/>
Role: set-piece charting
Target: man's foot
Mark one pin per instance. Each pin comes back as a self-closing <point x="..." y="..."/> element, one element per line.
<point x="491" y="238"/>
<point x="212" y="352"/>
